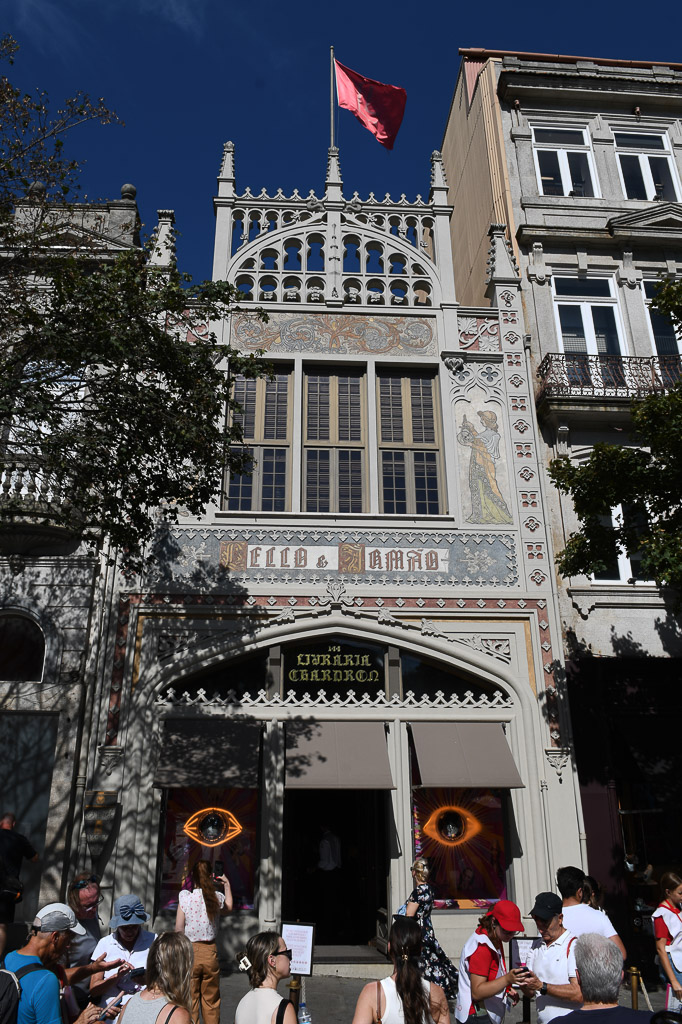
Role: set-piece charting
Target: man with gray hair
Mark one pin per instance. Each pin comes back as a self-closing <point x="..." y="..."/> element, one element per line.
<point x="599" y="967"/>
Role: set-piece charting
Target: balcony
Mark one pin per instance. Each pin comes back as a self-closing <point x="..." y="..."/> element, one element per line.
<point x="31" y="507"/>
<point x="605" y="377"/>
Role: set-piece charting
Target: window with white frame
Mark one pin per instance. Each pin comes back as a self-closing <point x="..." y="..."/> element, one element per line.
<point x="334" y="441"/>
<point x="589" y="326"/>
<point x="410" y="476"/>
<point x="620" y="567"/>
<point x="665" y="340"/>
<point x="264" y="417"/>
<point x="563" y="162"/>
<point x="646" y="166"/>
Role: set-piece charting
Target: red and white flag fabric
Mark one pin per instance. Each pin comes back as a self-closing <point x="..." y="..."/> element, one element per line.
<point x="379" y="107"/>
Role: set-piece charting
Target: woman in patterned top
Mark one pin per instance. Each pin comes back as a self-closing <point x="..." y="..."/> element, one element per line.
<point x="434" y="963"/>
<point x="197" y="917"/>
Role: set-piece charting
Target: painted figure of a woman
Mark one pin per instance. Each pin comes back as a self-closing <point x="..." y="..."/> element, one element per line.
<point x="487" y="503"/>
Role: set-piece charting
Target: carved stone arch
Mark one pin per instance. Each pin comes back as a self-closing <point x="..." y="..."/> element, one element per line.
<point x="275" y="240"/>
<point x="213" y="652"/>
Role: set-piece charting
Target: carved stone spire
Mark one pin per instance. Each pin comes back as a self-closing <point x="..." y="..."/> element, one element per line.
<point x="163" y="251"/>
<point x="438" y="178"/>
<point x="226" y="179"/>
<point x="502" y="268"/>
<point x="334" y="181"/>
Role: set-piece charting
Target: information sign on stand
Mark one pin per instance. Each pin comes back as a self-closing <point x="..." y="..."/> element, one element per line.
<point x="300" y="939"/>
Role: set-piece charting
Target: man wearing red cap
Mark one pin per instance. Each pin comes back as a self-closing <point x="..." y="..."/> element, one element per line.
<point x="483" y="975"/>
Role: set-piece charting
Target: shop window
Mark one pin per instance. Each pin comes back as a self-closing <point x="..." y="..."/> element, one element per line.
<point x="194" y="821"/>
<point x="646" y="167"/>
<point x="410" y="444"/>
<point x="334" y="456"/>
<point x="563" y="162"/>
<point x="263" y="415"/>
<point x="589" y="326"/>
<point x="23" y="649"/>
<point x="335" y="666"/>
<point x="461" y="833"/>
<point x="425" y="678"/>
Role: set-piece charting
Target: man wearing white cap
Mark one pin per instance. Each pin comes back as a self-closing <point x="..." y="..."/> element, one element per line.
<point x="48" y="940"/>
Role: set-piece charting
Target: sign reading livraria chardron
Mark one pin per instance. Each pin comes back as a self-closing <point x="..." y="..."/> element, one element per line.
<point x="304" y="557"/>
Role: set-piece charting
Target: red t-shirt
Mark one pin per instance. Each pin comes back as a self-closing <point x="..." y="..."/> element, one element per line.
<point x="661" y="930"/>
<point x="485" y="962"/>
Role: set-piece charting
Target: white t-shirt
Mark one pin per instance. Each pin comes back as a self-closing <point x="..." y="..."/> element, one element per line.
<point x="199" y="927"/>
<point x="137" y="957"/>
<point x="554" y="964"/>
<point x="581" y="919"/>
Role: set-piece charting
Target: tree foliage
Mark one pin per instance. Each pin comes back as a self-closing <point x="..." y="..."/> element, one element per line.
<point x="644" y="479"/>
<point x="114" y="391"/>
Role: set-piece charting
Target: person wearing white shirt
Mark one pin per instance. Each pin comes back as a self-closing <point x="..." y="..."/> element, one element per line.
<point x="579" y="917"/>
<point x="551" y="972"/>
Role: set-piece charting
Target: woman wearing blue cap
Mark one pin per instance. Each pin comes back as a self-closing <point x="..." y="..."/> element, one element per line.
<point x="128" y="940"/>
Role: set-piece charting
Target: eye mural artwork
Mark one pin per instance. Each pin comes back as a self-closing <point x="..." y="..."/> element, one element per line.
<point x="487" y="502"/>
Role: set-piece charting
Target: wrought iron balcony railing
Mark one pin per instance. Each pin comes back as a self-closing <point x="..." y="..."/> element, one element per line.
<point x="577" y="375"/>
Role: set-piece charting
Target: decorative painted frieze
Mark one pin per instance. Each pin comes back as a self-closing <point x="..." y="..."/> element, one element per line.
<point x="338" y="334"/>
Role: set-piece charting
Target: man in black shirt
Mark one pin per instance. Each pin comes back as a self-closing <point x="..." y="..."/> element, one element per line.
<point x="14" y="848"/>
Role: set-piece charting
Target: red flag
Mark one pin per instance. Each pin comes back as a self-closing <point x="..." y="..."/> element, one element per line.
<point x="379" y="107"/>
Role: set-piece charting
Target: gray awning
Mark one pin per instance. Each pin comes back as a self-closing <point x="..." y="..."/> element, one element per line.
<point x="464" y="754"/>
<point x="337" y="755"/>
<point x="219" y="753"/>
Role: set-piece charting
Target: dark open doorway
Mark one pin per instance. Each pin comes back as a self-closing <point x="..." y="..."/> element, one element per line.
<point x="345" y="909"/>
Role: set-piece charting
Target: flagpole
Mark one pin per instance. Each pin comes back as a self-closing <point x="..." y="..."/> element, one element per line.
<point x="331" y="95"/>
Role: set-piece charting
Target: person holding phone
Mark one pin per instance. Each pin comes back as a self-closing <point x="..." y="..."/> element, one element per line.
<point x="130" y="941"/>
<point x="198" y="913"/>
<point x="483" y="975"/>
<point x="168" y="992"/>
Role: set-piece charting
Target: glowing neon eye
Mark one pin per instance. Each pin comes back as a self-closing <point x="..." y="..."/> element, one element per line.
<point x="451" y="825"/>
<point x="212" y="826"/>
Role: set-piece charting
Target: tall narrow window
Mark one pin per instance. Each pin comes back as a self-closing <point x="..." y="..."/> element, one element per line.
<point x="645" y="161"/>
<point x="666" y="341"/>
<point x="265" y="422"/>
<point x="410" y="472"/>
<point x="563" y="162"/>
<point x="589" y="331"/>
<point x="334" y="457"/>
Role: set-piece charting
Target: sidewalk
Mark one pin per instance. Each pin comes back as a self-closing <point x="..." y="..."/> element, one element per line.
<point x="332" y="1000"/>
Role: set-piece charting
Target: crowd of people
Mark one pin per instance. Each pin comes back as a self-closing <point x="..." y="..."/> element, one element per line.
<point x="68" y="971"/>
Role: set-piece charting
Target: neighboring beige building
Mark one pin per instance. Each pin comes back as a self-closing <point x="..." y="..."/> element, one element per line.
<point x="581" y="159"/>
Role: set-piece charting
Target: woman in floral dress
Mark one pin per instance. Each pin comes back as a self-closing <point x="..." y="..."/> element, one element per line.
<point x="434" y="963"/>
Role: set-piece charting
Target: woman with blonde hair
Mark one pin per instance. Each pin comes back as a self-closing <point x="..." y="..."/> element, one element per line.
<point x="168" y="976"/>
<point x="266" y="961"/>
<point x="405" y="997"/>
<point x="197" y="917"/>
<point x="434" y="963"/>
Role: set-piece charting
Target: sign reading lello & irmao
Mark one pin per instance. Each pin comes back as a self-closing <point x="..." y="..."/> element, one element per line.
<point x="343" y="557"/>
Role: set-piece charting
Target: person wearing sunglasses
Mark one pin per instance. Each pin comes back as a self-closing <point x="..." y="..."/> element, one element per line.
<point x="266" y="961"/>
<point x="84" y="898"/>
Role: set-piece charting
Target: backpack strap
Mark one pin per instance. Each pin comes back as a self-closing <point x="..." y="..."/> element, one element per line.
<point x="281" y="1010"/>
<point x="28" y="968"/>
<point x="570" y="943"/>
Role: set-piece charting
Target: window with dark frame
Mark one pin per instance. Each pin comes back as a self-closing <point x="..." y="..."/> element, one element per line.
<point x="264" y="418"/>
<point x="334" y="441"/>
<point x="408" y="441"/>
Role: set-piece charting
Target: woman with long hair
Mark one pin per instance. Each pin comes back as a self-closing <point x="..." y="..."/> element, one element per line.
<point x="483" y="974"/>
<point x="434" y="963"/>
<point x="667" y="920"/>
<point x="168" y="991"/>
<point x="266" y="961"/>
<point x="405" y="997"/>
<point x="197" y="917"/>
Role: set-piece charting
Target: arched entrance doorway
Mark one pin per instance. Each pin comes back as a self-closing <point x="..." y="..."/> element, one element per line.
<point x="330" y="753"/>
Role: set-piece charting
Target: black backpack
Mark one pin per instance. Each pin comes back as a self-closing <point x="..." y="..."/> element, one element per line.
<point x="10" y="991"/>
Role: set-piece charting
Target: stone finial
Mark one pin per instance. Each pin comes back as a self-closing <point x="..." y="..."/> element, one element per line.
<point x="36" y="190"/>
<point x="163" y="250"/>
<point x="227" y="164"/>
<point x="128" y="192"/>
<point x="438" y="178"/>
<point x="333" y="167"/>
<point x="502" y="268"/>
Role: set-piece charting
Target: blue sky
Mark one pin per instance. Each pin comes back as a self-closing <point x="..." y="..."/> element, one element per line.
<point x="186" y="75"/>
